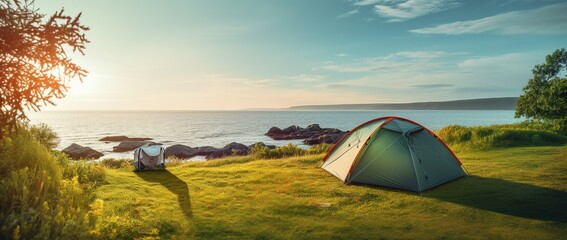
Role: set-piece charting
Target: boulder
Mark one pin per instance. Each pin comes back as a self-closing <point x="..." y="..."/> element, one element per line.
<point x="229" y="150"/>
<point x="122" y="138"/>
<point x="180" y="151"/>
<point x="313" y="127"/>
<point x="236" y="148"/>
<point x="76" y="151"/>
<point x="312" y="140"/>
<point x="324" y="138"/>
<point x="126" y="146"/>
<point x="283" y="137"/>
<point x="206" y="150"/>
<point x="332" y="130"/>
<point x="333" y="137"/>
<point x="261" y="144"/>
<point x="275" y="130"/>
<point x="310" y="134"/>
<point x="292" y="129"/>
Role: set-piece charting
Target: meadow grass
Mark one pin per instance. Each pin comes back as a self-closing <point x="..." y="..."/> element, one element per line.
<point x="512" y="193"/>
<point x="499" y="136"/>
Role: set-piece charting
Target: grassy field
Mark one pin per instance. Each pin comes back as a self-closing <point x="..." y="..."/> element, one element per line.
<point x="513" y="193"/>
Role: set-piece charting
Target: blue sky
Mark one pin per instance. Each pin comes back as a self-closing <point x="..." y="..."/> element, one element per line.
<point x="223" y="55"/>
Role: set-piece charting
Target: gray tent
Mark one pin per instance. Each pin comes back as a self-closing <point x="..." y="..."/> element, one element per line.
<point x="393" y="152"/>
<point x="149" y="157"/>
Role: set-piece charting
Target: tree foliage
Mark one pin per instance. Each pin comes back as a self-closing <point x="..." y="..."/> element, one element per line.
<point x="35" y="66"/>
<point x="545" y="95"/>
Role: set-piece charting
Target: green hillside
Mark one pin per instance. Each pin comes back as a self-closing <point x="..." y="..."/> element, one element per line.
<point x="513" y="193"/>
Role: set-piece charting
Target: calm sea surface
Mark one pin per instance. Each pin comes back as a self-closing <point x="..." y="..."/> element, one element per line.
<point x="218" y="128"/>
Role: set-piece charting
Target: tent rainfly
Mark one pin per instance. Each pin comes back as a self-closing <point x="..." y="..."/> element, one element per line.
<point x="393" y="152"/>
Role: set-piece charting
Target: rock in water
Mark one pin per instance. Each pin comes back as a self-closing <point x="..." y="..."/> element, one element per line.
<point x="292" y="129"/>
<point x="126" y="146"/>
<point x="206" y="150"/>
<point x="261" y="144"/>
<point x="180" y="151"/>
<point x="313" y="127"/>
<point x="122" y="138"/>
<point x="324" y="138"/>
<point x="233" y="148"/>
<point x="275" y="130"/>
<point x="312" y="134"/>
<point x="76" y="152"/>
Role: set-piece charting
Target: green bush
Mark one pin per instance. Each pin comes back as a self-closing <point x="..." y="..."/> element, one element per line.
<point x="116" y="163"/>
<point x="87" y="173"/>
<point x="44" y="195"/>
<point x="44" y="135"/>
<point x="499" y="136"/>
<point x="261" y="151"/>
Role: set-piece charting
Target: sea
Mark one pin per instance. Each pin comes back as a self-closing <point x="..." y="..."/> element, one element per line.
<point x="219" y="128"/>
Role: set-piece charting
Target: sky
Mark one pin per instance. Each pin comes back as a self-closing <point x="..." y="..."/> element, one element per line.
<point x="230" y="55"/>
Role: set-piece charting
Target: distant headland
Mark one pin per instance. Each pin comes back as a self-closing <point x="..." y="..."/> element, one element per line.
<point x="501" y="103"/>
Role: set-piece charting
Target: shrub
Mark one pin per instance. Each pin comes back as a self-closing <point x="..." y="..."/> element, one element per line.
<point x="44" y="135"/>
<point x="42" y="194"/>
<point x="288" y="150"/>
<point x="116" y="163"/>
<point x="260" y="151"/>
<point x="499" y="136"/>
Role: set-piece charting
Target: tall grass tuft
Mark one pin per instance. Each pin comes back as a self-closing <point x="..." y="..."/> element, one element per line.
<point x="260" y="151"/>
<point x="499" y="136"/>
<point x="319" y="148"/>
<point x="42" y="194"/>
<point x="116" y="163"/>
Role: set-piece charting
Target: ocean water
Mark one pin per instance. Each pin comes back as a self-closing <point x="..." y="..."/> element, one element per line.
<point x="218" y="128"/>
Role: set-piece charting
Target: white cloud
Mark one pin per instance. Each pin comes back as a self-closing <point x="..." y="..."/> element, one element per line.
<point x="261" y="82"/>
<point x="415" y="76"/>
<point x="545" y="20"/>
<point x="432" y="85"/>
<point x="501" y="60"/>
<point x="399" y="11"/>
<point x="420" y="54"/>
<point x="348" y="14"/>
<point x="341" y="55"/>
<point x="372" y="2"/>
<point x="398" y="61"/>
<point x="308" y="78"/>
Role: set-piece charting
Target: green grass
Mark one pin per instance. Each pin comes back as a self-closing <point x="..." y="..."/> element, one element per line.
<point x="499" y="136"/>
<point x="513" y="193"/>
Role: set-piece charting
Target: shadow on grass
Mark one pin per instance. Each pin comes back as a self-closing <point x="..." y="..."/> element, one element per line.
<point x="505" y="197"/>
<point x="173" y="184"/>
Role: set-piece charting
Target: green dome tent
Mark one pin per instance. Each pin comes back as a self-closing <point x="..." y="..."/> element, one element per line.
<point x="393" y="152"/>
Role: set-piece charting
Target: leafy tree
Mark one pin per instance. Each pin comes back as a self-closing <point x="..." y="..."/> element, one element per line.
<point x="545" y="95"/>
<point x="34" y="63"/>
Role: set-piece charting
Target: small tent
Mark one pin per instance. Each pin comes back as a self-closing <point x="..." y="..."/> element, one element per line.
<point x="393" y="152"/>
<point x="149" y="157"/>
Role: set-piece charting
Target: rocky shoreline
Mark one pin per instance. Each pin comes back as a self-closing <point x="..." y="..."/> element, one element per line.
<point x="311" y="135"/>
